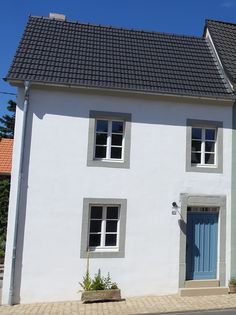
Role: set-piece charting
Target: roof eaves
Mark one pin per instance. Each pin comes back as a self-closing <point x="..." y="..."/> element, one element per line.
<point x="229" y="97"/>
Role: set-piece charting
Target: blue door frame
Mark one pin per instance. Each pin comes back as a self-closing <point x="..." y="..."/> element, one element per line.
<point x="201" y="245"/>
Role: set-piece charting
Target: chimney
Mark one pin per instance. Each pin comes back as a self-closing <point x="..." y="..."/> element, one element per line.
<point x="57" y="16"/>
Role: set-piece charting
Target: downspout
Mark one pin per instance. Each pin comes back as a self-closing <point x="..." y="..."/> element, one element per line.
<point x="19" y="186"/>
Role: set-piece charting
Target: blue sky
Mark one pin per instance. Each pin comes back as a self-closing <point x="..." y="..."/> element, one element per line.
<point x="172" y="16"/>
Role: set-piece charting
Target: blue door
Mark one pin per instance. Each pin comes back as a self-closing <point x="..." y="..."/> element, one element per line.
<point x="201" y="245"/>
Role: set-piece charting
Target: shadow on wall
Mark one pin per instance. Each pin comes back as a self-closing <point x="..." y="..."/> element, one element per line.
<point x="67" y="102"/>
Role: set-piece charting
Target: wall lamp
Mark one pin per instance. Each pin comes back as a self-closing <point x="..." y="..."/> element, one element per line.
<point x="175" y="208"/>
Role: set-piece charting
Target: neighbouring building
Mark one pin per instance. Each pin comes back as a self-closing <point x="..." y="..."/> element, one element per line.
<point x="116" y="131"/>
<point x="222" y="36"/>
<point x="6" y="146"/>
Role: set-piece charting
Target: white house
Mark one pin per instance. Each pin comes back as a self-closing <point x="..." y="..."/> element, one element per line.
<point x="123" y="149"/>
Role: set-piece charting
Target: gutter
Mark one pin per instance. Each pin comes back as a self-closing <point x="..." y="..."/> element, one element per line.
<point x="15" y="82"/>
<point x="19" y="182"/>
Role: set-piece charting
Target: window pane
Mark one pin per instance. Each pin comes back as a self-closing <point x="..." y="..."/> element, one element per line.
<point x="116" y="140"/>
<point x="209" y="158"/>
<point x="196" y="145"/>
<point x="117" y="127"/>
<point x="102" y="125"/>
<point x="96" y="212"/>
<point x="112" y="212"/>
<point x="110" y="240"/>
<point x="195" y="158"/>
<point x="197" y="133"/>
<point x="210" y="134"/>
<point x="100" y="152"/>
<point x="101" y="138"/>
<point x="111" y="226"/>
<point x="116" y="153"/>
<point x="96" y="225"/>
<point x="94" y="239"/>
<point x="209" y="146"/>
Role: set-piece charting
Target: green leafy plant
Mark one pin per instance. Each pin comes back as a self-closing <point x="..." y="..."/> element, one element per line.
<point x="86" y="283"/>
<point x="232" y="281"/>
<point x="97" y="283"/>
<point x="109" y="285"/>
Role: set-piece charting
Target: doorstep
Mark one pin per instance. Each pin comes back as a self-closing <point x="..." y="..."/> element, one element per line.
<point x="203" y="287"/>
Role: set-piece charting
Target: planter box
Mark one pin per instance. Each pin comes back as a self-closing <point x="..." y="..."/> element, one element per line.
<point x="232" y="288"/>
<point x="101" y="296"/>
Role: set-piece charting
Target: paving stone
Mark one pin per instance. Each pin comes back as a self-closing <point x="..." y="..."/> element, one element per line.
<point x="131" y="306"/>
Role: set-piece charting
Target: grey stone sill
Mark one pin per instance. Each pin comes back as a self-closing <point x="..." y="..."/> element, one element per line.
<point x="108" y="163"/>
<point x="204" y="169"/>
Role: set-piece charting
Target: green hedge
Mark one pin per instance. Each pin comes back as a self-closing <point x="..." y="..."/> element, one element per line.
<point x="4" y="201"/>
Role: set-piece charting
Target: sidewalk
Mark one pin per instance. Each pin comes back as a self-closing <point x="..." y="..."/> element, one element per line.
<point x="137" y="305"/>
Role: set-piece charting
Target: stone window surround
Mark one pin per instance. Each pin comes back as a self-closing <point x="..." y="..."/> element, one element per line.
<point x="126" y="117"/>
<point x="120" y="253"/>
<point x="219" y="146"/>
<point x="218" y="201"/>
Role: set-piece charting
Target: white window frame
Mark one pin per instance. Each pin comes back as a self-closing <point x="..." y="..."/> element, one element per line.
<point x="103" y="228"/>
<point x="203" y="151"/>
<point x="105" y="252"/>
<point x="204" y="168"/>
<point x="126" y="141"/>
<point x="108" y="144"/>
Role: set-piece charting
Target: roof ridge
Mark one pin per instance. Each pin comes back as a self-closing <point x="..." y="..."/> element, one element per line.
<point x="119" y="28"/>
<point x="221" y="22"/>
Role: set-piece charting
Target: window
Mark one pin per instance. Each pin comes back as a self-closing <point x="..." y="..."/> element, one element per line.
<point x="204" y="146"/>
<point x="109" y="139"/>
<point x="103" y="227"/>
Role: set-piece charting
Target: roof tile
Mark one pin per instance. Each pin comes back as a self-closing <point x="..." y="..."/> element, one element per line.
<point x="6" y="147"/>
<point x="73" y="53"/>
<point x="224" y="37"/>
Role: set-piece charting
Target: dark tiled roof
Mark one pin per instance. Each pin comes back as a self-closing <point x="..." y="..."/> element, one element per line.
<point x="63" y="52"/>
<point x="224" y="38"/>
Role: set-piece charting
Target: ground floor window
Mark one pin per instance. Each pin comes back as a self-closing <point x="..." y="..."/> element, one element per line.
<point x="103" y="227"/>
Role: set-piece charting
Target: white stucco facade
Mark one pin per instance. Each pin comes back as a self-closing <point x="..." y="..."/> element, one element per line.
<point x="57" y="179"/>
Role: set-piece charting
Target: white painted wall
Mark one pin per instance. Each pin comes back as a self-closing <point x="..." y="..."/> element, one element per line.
<point x="58" y="180"/>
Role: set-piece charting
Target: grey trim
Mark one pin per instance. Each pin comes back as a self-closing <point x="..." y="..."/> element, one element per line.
<point x="203" y="201"/>
<point x="205" y="123"/>
<point x="109" y="115"/>
<point x="85" y="223"/>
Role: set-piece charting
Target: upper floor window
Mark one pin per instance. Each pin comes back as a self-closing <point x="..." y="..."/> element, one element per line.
<point x="109" y="142"/>
<point x="109" y="139"/>
<point x="204" y="146"/>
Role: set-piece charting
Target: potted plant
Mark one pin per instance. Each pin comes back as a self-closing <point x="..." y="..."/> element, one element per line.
<point x="99" y="289"/>
<point x="232" y="285"/>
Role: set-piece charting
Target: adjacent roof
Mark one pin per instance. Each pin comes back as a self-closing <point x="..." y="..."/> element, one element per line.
<point x="6" y="146"/>
<point x="224" y="38"/>
<point x="72" y="53"/>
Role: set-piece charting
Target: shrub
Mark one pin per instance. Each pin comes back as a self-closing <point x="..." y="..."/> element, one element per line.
<point x="232" y="281"/>
<point x="98" y="282"/>
<point x="86" y="283"/>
